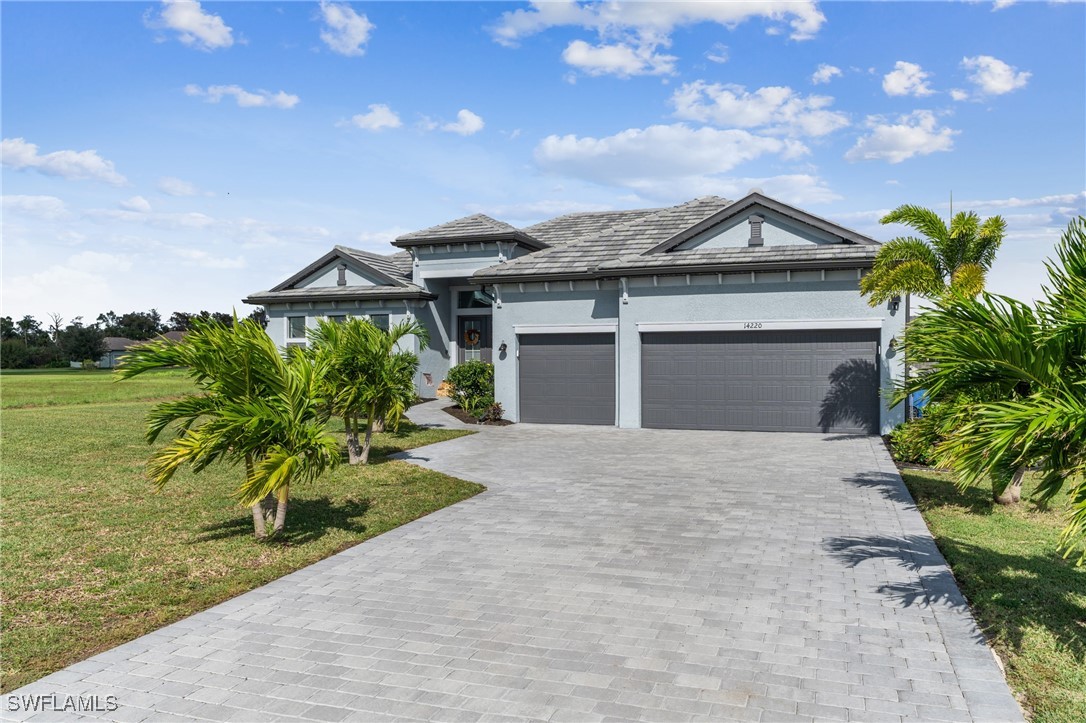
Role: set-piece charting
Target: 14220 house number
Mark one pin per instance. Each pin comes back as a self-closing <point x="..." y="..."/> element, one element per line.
<point x="752" y="325"/>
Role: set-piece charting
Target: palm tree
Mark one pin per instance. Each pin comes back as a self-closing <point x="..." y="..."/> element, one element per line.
<point x="954" y="259"/>
<point x="255" y="407"/>
<point x="1035" y="361"/>
<point x="367" y="375"/>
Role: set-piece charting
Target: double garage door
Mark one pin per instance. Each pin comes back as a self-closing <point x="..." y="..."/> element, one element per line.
<point x="794" y="381"/>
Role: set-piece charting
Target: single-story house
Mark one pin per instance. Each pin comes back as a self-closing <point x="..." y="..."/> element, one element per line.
<point x="118" y="346"/>
<point x="712" y="314"/>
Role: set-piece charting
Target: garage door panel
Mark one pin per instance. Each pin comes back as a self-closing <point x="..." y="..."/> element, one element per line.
<point x="818" y="380"/>
<point x="567" y="378"/>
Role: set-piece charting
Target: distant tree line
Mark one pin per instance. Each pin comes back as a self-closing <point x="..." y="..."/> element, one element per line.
<point x="29" y="343"/>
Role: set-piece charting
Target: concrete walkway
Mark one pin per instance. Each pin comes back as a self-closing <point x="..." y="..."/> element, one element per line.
<point x="605" y="575"/>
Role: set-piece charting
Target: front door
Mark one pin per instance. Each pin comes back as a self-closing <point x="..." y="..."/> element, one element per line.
<point x="473" y="339"/>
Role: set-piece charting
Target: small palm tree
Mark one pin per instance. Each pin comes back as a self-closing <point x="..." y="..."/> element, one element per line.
<point x="954" y="259"/>
<point x="1035" y="360"/>
<point x="367" y="375"/>
<point x="255" y="407"/>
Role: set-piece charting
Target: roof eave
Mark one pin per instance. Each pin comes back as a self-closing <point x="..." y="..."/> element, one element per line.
<point x="269" y="297"/>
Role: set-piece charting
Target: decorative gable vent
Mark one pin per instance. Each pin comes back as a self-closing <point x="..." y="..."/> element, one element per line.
<point x="756" y="230"/>
<point x="342" y="280"/>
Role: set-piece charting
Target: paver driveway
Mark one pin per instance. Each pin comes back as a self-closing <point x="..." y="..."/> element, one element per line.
<point x="605" y="574"/>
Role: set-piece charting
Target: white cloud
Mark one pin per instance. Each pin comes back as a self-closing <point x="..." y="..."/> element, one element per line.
<point x="617" y="59"/>
<point x="654" y="21"/>
<point x="994" y="77"/>
<point x="194" y="27"/>
<point x="139" y="204"/>
<point x="631" y="33"/>
<point x="379" y="117"/>
<point x="915" y="134"/>
<point x="244" y="98"/>
<point x="718" y="53"/>
<point x="825" y="73"/>
<point x="776" y="109"/>
<point x="1002" y="4"/>
<point x="659" y="160"/>
<point x="176" y="187"/>
<point x="73" y="165"/>
<point x="907" y="79"/>
<point x="49" y="208"/>
<point x="345" y="31"/>
<point x="1069" y="202"/>
<point x="466" y="123"/>
<point x="959" y="94"/>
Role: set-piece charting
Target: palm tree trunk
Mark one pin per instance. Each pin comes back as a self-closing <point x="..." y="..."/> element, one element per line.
<point x="369" y="438"/>
<point x="379" y="424"/>
<point x="281" y="510"/>
<point x="259" y="529"/>
<point x="1012" y="495"/>
<point x="353" y="452"/>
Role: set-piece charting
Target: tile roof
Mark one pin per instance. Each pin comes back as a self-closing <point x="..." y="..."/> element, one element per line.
<point x="575" y="226"/>
<point x="339" y="293"/>
<point x="467" y="227"/>
<point x="634" y="236"/>
<point x="397" y="265"/>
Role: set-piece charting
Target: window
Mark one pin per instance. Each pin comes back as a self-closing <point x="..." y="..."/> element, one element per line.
<point x="380" y="321"/>
<point x="477" y="299"/>
<point x="295" y="327"/>
<point x="337" y="318"/>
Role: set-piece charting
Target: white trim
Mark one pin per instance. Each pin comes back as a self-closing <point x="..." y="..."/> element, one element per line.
<point x="764" y="325"/>
<point x="565" y="328"/>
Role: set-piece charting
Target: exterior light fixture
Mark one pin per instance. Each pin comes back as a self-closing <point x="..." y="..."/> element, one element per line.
<point x="893" y="343"/>
<point x="895" y="303"/>
<point x="502" y="348"/>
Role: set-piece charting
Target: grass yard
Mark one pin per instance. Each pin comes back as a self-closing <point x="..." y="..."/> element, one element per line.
<point x="53" y="387"/>
<point x="1030" y="602"/>
<point x="92" y="557"/>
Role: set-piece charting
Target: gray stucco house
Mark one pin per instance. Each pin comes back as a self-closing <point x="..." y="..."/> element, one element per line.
<point x="713" y="314"/>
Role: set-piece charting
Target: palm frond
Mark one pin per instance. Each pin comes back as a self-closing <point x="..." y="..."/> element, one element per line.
<point x="921" y="219"/>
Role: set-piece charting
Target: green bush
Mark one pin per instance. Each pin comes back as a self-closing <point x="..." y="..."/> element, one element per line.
<point x="915" y="441"/>
<point x="472" y="386"/>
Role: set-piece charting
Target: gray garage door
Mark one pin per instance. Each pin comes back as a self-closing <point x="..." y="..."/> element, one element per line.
<point x="567" y="378"/>
<point x="788" y="381"/>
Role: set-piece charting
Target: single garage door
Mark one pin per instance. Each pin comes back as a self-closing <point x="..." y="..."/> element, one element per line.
<point x="787" y="381"/>
<point x="567" y="378"/>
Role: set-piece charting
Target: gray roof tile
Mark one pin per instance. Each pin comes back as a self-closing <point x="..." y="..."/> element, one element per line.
<point x="467" y="227"/>
<point x="575" y="226"/>
<point x="634" y="236"/>
<point x="397" y="265"/>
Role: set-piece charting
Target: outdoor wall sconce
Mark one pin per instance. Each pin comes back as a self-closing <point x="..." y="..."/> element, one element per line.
<point x="895" y="303"/>
<point x="502" y="348"/>
<point x="893" y="343"/>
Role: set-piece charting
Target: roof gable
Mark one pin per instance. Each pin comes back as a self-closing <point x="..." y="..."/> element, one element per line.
<point x="353" y="257"/>
<point x="751" y="203"/>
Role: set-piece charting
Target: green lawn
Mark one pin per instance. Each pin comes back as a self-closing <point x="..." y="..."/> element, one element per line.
<point x="92" y="557"/>
<point x="1030" y="602"/>
<point x="52" y="387"/>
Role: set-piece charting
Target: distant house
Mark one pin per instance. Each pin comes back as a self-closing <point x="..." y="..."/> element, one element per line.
<point x="117" y="346"/>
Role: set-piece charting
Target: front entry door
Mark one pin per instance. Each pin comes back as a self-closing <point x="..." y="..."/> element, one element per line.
<point x="473" y="339"/>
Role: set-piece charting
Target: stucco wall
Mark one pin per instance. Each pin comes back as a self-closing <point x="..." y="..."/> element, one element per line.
<point x="278" y="313"/>
<point x="329" y="276"/>
<point x="770" y="298"/>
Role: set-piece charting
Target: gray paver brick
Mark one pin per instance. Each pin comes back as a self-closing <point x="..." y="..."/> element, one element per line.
<point x="605" y="574"/>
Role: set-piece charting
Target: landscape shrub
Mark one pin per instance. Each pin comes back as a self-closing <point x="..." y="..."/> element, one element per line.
<point x="493" y="413"/>
<point x="914" y="442"/>
<point x="473" y="386"/>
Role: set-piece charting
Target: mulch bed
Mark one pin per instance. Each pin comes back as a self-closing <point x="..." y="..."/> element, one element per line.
<point x="468" y="419"/>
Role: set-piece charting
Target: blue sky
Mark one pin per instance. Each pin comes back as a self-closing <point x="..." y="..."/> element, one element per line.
<point x="180" y="155"/>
